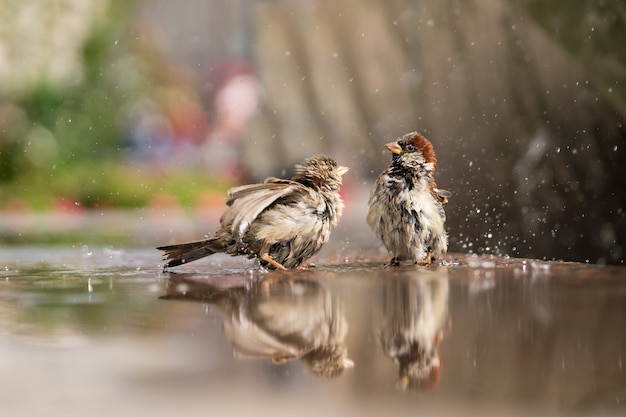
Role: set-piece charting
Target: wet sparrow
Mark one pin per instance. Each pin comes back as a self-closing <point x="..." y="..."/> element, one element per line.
<point x="281" y="222"/>
<point x="405" y="205"/>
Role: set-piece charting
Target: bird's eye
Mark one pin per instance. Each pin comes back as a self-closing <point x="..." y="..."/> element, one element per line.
<point x="410" y="148"/>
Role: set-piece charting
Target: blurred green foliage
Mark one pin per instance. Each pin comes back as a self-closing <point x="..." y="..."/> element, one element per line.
<point x="108" y="183"/>
<point x="67" y="141"/>
<point x="65" y="126"/>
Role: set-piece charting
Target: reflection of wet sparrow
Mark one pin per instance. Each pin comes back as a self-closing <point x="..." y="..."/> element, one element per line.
<point x="405" y="206"/>
<point x="414" y="316"/>
<point x="281" y="222"/>
<point x="280" y="320"/>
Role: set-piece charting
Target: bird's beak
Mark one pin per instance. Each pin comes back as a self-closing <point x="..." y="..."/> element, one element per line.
<point x="394" y="148"/>
<point x="348" y="363"/>
<point x="342" y="170"/>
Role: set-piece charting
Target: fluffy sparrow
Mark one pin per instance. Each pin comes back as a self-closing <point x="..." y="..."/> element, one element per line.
<point x="281" y="222"/>
<point x="405" y="205"/>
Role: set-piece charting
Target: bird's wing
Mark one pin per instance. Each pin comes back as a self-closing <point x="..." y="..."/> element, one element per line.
<point x="441" y="197"/>
<point x="248" y="201"/>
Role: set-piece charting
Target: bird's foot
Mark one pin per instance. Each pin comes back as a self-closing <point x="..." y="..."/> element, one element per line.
<point x="427" y="260"/>
<point x="393" y="262"/>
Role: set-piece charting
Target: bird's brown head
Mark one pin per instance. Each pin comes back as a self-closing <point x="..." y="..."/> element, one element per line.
<point x="320" y="171"/>
<point x="411" y="143"/>
<point x="412" y="149"/>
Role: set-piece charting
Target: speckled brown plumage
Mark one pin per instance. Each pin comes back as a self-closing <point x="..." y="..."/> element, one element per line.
<point x="281" y="222"/>
<point x="406" y="207"/>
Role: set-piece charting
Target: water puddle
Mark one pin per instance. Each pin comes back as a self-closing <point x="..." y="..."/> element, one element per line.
<point x="84" y="329"/>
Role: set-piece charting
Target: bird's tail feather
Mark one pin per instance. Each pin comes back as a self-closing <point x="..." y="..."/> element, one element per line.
<point x="187" y="252"/>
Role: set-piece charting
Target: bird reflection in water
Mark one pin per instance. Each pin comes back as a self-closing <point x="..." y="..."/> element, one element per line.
<point x="281" y="319"/>
<point x="413" y="320"/>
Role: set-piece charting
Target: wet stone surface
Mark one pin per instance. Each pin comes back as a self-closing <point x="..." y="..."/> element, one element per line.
<point x="100" y="331"/>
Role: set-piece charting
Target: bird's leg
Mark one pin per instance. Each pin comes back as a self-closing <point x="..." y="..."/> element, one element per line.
<point x="267" y="258"/>
<point x="427" y="260"/>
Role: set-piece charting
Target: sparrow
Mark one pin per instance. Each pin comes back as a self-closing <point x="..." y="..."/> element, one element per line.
<point x="280" y="222"/>
<point x="282" y="320"/>
<point x="406" y="207"/>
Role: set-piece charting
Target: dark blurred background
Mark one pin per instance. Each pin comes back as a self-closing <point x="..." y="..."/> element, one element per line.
<point x="108" y="104"/>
